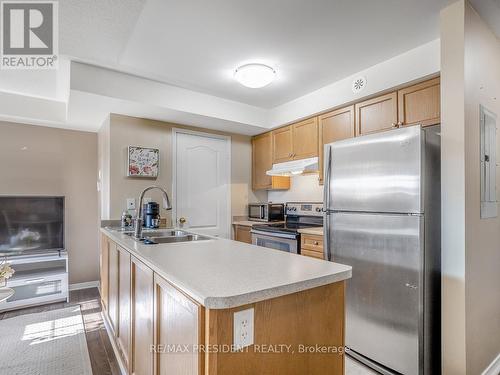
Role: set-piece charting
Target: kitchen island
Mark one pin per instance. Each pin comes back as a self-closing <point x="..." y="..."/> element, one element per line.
<point x="170" y="308"/>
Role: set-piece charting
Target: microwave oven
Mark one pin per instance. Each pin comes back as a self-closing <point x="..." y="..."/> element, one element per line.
<point x="266" y="211"/>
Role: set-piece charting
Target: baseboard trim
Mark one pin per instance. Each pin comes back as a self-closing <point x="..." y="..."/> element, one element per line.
<point x="119" y="359"/>
<point x="494" y="367"/>
<point x="88" y="284"/>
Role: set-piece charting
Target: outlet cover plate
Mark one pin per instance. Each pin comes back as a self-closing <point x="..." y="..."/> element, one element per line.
<point x="243" y="328"/>
<point x="130" y="203"/>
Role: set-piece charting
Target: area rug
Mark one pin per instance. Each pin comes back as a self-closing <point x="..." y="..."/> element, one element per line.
<point x="47" y="343"/>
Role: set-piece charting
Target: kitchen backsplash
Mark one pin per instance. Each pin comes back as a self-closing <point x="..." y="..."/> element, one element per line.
<point x="302" y="189"/>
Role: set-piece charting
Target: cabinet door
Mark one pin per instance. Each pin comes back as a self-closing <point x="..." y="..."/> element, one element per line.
<point x="377" y="114"/>
<point x="334" y="126"/>
<point x="305" y="139"/>
<point x="104" y="263"/>
<point x="142" y="319"/>
<point x="123" y="338"/>
<point x="282" y="144"/>
<point x="178" y="322"/>
<point x="262" y="160"/>
<point x="420" y="104"/>
<point x="113" y="287"/>
<point x="242" y="234"/>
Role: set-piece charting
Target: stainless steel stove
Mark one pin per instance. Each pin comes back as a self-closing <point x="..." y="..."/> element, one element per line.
<point x="285" y="236"/>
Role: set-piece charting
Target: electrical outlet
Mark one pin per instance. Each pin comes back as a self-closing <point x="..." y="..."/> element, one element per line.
<point x="130" y="203"/>
<point x="243" y="327"/>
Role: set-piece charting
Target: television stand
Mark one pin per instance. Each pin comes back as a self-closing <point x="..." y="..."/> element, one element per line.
<point x="39" y="278"/>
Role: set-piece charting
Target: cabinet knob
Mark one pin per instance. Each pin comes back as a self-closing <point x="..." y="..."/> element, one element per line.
<point x="316" y="243"/>
<point x="182" y="220"/>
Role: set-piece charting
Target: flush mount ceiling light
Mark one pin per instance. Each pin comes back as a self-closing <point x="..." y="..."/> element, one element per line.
<point x="255" y="75"/>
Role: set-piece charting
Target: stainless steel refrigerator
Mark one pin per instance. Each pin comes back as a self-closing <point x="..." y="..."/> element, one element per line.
<point x="382" y="203"/>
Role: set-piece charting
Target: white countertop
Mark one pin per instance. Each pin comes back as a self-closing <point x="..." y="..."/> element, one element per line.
<point x="317" y="231"/>
<point x="220" y="273"/>
<point x="248" y="223"/>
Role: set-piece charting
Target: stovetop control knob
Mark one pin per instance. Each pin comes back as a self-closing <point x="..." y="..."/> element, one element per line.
<point x="318" y="209"/>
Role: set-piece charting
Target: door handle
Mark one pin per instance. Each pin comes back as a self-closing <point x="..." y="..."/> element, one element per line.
<point x="182" y="220"/>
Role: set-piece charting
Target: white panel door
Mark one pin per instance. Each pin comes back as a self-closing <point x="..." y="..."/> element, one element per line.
<point x="202" y="183"/>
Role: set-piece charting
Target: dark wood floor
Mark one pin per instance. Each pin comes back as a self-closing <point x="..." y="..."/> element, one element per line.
<point x="101" y="352"/>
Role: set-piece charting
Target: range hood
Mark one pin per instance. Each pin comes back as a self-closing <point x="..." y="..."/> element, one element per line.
<point x="295" y="167"/>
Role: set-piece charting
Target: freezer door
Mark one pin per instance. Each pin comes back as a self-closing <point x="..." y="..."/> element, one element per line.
<point x="384" y="314"/>
<point x="377" y="173"/>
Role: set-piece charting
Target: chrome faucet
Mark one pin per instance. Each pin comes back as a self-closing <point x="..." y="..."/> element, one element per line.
<point x="140" y="219"/>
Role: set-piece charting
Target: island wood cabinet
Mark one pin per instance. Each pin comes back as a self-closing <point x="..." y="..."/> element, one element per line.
<point x="113" y="287"/>
<point x="242" y="233"/>
<point x="334" y="126"/>
<point x="262" y="161"/>
<point x="142" y="319"/>
<point x="123" y="335"/>
<point x="295" y="142"/>
<point x="158" y="317"/>
<point x="179" y="323"/>
<point x="104" y="268"/>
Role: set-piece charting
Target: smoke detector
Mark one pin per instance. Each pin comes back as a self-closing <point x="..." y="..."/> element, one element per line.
<point x="358" y="84"/>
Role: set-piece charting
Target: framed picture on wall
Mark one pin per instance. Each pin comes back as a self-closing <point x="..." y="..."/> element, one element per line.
<point x="142" y="162"/>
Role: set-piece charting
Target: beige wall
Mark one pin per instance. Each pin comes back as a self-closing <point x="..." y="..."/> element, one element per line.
<point x="470" y="76"/>
<point x="57" y="162"/>
<point x="452" y="190"/>
<point x="126" y="131"/>
<point x="482" y="236"/>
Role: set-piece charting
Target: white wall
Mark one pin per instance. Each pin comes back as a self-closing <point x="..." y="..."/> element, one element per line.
<point x="470" y="76"/>
<point x="302" y="189"/>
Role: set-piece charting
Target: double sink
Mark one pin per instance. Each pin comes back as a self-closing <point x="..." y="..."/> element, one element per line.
<point x="153" y="237"/>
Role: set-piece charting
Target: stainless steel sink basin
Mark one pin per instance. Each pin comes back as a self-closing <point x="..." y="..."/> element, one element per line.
<point x="151" y="237"/>
<point x="173" y="239"/>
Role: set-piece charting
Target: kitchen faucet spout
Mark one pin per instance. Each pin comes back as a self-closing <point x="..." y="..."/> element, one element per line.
<point x="140" y="218"/>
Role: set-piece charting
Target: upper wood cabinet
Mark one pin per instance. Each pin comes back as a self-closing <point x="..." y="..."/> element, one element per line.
<point x="282" y="144"/>
<point x="178" y="321"/>
<point x="297" y="141"/>
<point x="334" y="126"/>
<point x="262" y="161"/>
<point x="305" y="139"/>
<point x="377" y="114"/>
<point x="142" y="319"/>
<point x="420" y="104"/>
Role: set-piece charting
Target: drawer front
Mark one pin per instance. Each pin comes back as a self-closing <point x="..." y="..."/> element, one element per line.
<point x="312" y="254"/>
<point x="313" y="243"/>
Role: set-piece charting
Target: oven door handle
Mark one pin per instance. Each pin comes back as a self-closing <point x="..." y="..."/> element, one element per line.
<point x="274" y="234"/>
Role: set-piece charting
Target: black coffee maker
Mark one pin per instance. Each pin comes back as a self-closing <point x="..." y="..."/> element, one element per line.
<point x="151" y="212"/>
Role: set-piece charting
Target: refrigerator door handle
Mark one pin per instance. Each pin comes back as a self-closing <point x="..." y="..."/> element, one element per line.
<point x="326" y="204"/>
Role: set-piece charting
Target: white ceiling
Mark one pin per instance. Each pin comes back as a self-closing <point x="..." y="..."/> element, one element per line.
<point x="196" y="44"/>
<point x="490" y="12"/>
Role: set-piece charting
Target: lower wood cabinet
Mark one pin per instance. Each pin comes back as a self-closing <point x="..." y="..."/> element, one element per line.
<point x="123" y="336"/>
<point x="312" y="246"/>
<point x="179" y="323"/>
<point x="242" y="233"/>
<point x="142" y="319"/>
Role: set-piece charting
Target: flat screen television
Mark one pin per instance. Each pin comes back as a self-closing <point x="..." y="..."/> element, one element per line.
<point x="31" y="223"/>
